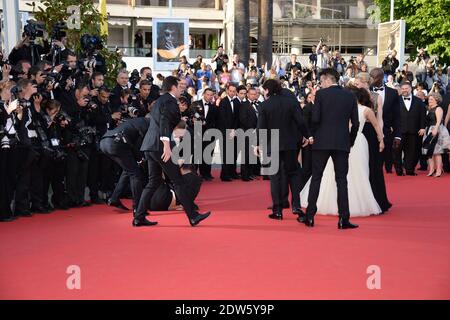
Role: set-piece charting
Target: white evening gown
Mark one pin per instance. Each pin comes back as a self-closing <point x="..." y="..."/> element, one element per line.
<point x="360" y="196"/>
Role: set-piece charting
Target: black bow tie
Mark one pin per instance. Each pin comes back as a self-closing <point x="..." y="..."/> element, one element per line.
<point x="375" y="89"/>
<point x="404" y="98"/>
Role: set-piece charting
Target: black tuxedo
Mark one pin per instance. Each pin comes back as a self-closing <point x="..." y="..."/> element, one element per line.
<point x="248" y="118"/>
<point x="122" y="145"/>
<point x="307" y="150"/>
<point x="411" y="122"/>
<point x="165" y="116"/>
<point x="228" y="119"/>
<point x="209" y="122"/>
<point x="283" y="114"/>
<point x="334" y="107"/>
<point x="391" y="126"/>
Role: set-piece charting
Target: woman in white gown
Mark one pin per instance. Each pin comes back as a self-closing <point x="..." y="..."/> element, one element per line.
<point x="360" y="196"/>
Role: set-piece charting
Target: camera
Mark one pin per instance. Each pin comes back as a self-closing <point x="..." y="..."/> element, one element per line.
<point x="135" y="77"/>
<point x="34" y="29"/>
<point x="53" y="77"/>
<point x="90" y="43"/>
<point x="59" y="31"/>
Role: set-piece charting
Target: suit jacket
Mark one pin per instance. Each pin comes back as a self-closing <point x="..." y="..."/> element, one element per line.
<point x="414" y="119"/>
<point x="282" y="113"/>
<point x="134" y="131"/>
<point x="165" y="116"/>
<point x="333" y="108"/>
<point x="391" y="112"/>
<point x="247" y="116"/>
<point x="228" y="118"/>
<point x="212" y="116"/>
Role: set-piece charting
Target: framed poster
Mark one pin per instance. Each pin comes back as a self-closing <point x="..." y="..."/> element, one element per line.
<point x="391" y="36"/>
<point x="170" y="42"/>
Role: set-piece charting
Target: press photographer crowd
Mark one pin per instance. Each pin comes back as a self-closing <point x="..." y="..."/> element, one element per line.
<point x="63" y="131"/>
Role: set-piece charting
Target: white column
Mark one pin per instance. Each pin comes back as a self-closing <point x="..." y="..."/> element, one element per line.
<point x="11" y="22"/>
<point x="392" y="10"/>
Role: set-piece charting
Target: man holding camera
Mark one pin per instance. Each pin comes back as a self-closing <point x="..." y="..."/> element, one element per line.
<point x="147" y="94"/>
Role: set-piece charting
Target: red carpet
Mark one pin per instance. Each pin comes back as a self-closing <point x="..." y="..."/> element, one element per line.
<point x="238" y="253"/>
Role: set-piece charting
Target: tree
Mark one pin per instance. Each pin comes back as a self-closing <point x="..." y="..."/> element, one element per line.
<point x="51" y="12"/>
<point x="427" y="24"/>
<point x="242" y="30"/>
<point x="265" y="32"/>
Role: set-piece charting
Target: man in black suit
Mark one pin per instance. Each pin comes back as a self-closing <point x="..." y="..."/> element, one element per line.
<point x="208" y="114"/>
<point x="122" y="145"/>
<point x="165" y="116"/>
<point x="333" y="108"/>
<point x="391" y="117"/>
<point x="307" y="150"/>
<point x="279" y="112"/>
<point x="228" y="122"/>
<point x="413" y="114"/>
<point x="248" y="118"/>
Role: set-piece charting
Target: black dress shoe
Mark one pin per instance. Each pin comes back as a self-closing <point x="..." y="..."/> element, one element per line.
<point x="143" y="223"/>
<point x="309" y="222"/>
<point x="400" y="174"/>
<point x="301" y="218"/>
<point x="226" y="179"/>
<point x="411" y="174"/>
<point x="96" y="201"/>
<point x="41" y="210"/>
<point x="199" y="217"/>
<point x="117" y="204"/>
<point x="23" y="213"/>
<point x="266" y="178"/>
<point x="9" y="219"/>
<point x="297" y="211"/>
<point x="276" y="216"/>
<point x="342" y="224"/>
<point x="246" y="179"/>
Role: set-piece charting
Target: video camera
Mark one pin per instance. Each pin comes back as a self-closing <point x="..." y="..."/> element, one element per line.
<point x="34" y="29"/>
<point x="59" y="31"/>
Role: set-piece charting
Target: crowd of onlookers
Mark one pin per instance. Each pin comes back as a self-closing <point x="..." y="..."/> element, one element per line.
<point x="53" y="113"/>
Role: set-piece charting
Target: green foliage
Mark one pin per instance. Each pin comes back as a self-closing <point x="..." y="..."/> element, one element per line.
<point x="54" y="11"/>
<point x="427" y="24"/>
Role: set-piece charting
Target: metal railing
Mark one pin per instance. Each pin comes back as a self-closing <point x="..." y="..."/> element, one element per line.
<point x="147" y="52"/>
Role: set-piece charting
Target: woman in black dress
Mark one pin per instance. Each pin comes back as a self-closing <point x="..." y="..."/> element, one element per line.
<point x="376" y="176"/>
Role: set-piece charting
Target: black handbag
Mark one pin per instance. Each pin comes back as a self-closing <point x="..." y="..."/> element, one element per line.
<point x="428" y="144"/>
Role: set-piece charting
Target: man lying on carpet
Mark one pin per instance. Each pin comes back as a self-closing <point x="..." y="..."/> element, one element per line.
<point x="164" y="198"/>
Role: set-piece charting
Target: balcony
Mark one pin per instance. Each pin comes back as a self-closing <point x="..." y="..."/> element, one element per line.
<point x="209" y="4"/>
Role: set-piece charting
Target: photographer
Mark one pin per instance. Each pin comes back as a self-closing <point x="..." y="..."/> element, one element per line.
<point x="80" y="140"/>
<point x="30" y="152"/>
<point x="102" y="172"/>
<point x="147" y="94"/>
<point x="9" y="128"/>
<point x="26" y="49"/>
<point x="219" y="60"/>
<point x="121" y="85"/>
<point x="97" y="81"/>
<point x="421" y="65"/>
<point x="54" y="171"/>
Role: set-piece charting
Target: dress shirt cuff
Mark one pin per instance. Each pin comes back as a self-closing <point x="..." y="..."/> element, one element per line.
<point x="398" y="138"/>
<point x="164" y="139"/>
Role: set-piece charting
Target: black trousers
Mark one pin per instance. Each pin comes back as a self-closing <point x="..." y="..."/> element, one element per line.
<point x="247" y="169"/>
<point x="8" y="160"/>
<point x="229" y="170"/>
<point x="410" y="146"/>
<point x="54" y="175"/>
<point x="101" y="173"/>
<point x="76" y="175"/>
<point x="287" y="176"/>
<point x="340" y="161"/>
<point x="131" y="172"/>
<point x="388" y="155"/>
<point x="155" y="169"/>
<point x="30" y="179"/>
<point x="205" y="168"/>
<point x="306" y="165"/>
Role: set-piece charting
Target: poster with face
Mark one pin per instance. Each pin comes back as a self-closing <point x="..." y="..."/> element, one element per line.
<point x="391" y="39"/>
<point x="170" y="43"/>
